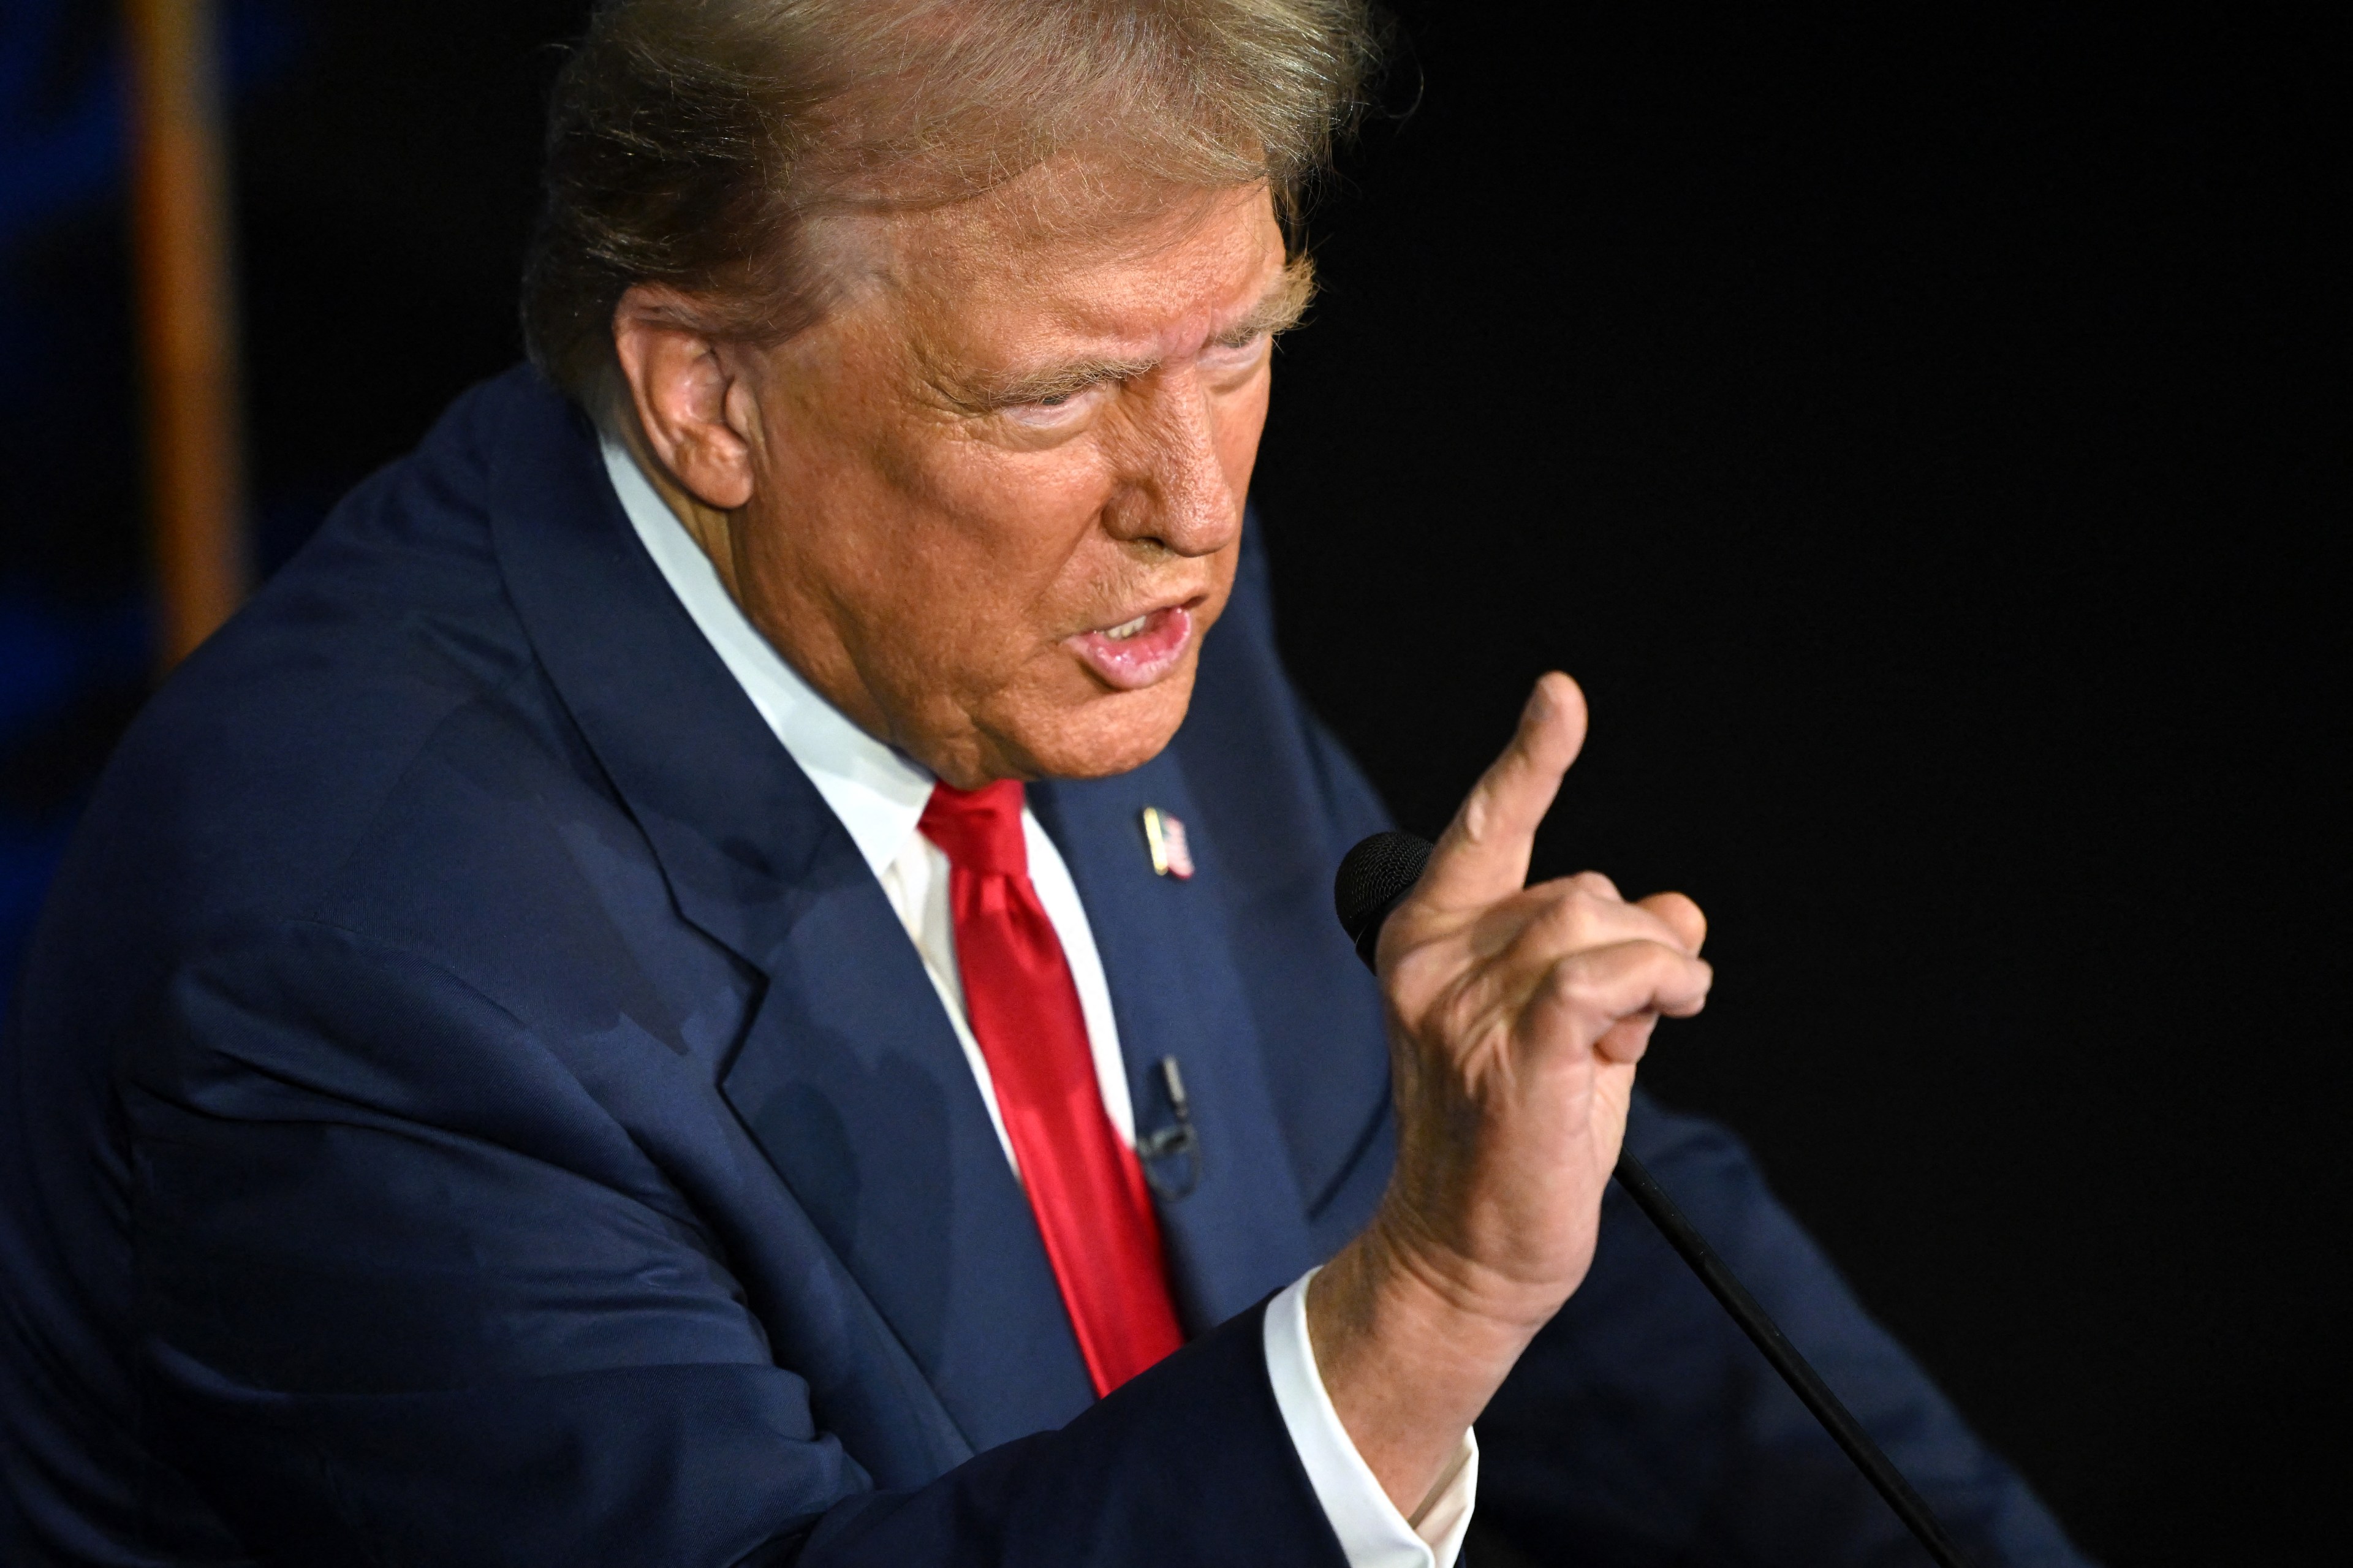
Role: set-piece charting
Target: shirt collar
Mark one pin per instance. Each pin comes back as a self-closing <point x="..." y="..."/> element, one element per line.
<point x="878" y="793"/>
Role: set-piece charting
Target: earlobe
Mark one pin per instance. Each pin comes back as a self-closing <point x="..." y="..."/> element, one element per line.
<point x="694" y="410"/>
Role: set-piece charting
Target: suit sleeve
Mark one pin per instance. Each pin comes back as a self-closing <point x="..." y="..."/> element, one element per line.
<point x="411" y="1296"/>
<point x="1643" y="1426"/>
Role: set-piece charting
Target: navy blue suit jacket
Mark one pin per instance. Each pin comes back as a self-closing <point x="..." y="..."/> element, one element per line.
<point x="470" y="1104"/>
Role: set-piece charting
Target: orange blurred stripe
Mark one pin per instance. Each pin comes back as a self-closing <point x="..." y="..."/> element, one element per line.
<point x="181" y="235"/>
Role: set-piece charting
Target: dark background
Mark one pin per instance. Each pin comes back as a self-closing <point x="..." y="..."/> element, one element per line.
<point x="1910" y="426"/>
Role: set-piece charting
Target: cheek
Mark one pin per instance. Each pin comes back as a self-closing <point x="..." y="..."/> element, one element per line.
<point x="982" y="565"/>
<point x="1025" y="501"/>
<point x="911" y="505"/>
<point x="1008" y="534"/>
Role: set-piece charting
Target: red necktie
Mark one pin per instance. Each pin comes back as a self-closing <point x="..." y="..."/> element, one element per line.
<point x="1085" y="1187"/>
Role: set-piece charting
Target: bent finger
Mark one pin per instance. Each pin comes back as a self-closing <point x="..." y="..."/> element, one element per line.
<point x="1685" y="917"/>
<point x="1586" y="994"/>
<point x="1551" y="922"/>
<point x="1599" y="884"/>
<point x="1627" y="1040"/>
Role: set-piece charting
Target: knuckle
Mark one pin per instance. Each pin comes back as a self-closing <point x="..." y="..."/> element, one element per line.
<point x="1565" y="917"/>
<point x="1568" y="899"/>
<point x="1577" y="981"/>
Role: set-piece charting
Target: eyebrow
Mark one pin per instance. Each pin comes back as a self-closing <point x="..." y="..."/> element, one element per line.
<point x="1277" y="312"/>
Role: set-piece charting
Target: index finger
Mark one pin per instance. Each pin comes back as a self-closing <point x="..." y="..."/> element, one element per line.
<point x="1483" y="856"/>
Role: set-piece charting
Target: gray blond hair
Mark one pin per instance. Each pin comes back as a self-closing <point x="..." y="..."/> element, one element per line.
<point x="690" y="142"/>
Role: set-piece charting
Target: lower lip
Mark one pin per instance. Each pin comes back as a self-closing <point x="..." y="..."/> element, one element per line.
<point x="1132" y="663"/>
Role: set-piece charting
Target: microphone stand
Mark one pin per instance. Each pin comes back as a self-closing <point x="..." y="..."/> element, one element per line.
<point x="1375" y="878"/>
<point x="1803" y="1380"/>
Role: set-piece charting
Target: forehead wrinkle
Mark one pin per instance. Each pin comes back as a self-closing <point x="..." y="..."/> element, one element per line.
<point x="1278" y="306"/>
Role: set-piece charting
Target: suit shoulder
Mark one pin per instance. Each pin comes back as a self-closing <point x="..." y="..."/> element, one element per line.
<point x="379" y="683"/>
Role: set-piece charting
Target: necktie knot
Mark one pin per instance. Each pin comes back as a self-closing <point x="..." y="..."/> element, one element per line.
<point x="978" y="830"/>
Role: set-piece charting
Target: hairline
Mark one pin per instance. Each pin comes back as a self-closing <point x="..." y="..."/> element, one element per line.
<point x="692" y="143"/>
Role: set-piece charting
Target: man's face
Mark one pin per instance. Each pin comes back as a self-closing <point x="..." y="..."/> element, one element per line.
<point x="997" y="490"/>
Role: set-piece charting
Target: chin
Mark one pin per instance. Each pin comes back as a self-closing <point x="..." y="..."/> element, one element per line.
<point x="1105" y="734"/>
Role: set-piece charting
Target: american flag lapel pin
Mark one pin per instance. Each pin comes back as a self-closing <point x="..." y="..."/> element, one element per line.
<point x="1164" y="834"/>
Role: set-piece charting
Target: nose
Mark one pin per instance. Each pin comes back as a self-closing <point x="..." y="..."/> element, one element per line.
<point x="1176" y="490"/>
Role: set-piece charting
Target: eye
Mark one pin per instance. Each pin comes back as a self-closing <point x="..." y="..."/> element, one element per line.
<point x="1236" y="355"/>
<point x="1056" y="408"/>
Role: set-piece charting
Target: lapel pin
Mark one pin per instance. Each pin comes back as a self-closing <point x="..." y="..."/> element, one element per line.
<point x="1165" y="836"/>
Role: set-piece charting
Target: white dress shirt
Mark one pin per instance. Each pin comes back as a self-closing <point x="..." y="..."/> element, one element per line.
<point x="879" y="794"/>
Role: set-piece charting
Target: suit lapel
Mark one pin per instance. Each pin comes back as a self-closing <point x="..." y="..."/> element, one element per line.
<point x="853" y="1083"/>
<point x="849" y="1077"/>
<point x="1240" y="1232"/>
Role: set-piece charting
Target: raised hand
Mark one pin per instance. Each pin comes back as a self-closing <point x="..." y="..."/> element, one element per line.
<point x="1516" y="1017"/>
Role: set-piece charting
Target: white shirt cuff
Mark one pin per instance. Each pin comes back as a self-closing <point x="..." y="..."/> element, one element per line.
<point x="1373" y="1533"/>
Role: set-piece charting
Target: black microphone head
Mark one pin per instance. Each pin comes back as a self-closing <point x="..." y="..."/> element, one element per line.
<point x="1374" y="879"/>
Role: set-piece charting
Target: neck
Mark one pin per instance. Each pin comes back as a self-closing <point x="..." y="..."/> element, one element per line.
<point x="818" y="653"/>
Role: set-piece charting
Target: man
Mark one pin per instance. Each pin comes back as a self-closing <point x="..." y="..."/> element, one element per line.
<point x="733" y="966"/>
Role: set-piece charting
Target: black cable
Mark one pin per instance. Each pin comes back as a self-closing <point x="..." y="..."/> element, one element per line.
<point x="1795" y="1370"/>
<point x="1374" y="879"/>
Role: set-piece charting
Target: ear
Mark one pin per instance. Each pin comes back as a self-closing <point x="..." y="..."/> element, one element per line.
<point x="695" y="404"/>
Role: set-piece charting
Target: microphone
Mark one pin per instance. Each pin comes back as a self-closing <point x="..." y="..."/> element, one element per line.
<point x="1374" y="879"/>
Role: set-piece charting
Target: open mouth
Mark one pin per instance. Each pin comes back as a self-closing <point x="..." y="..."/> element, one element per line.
<point x="1135" y="653"/>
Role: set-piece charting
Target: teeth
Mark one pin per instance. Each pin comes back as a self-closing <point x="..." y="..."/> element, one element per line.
<point x="1127" y="629"/>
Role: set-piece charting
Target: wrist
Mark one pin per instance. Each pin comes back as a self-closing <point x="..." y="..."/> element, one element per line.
<point x="1385" y="1296"/>
<point x="1407" y="1363"/>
